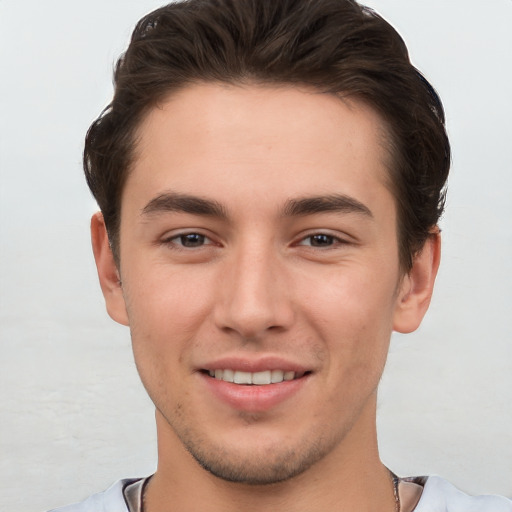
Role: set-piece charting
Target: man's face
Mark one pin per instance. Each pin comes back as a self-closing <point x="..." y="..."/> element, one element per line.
<point x="258" y="243"/>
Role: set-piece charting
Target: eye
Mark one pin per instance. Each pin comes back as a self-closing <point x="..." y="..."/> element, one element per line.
<point x="320" y="240"/>
<point x="189" y="240"/>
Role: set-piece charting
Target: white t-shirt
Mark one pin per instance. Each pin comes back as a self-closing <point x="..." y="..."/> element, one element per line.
<point x="438" y="496"/>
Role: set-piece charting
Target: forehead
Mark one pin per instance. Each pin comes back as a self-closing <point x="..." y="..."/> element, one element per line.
<point x="221" y="140"/>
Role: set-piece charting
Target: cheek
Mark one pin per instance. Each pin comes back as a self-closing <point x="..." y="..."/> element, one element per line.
<point x="353" y="312"/>
<point x="356" y="333"/>
<point x="165" y="305"/>
<point x="165" y="313"/>
<point x="352" y="299"/>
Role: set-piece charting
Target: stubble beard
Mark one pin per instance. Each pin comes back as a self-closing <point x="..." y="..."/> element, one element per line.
<point x="263" y="466"/>
<point x="267" y="469"/>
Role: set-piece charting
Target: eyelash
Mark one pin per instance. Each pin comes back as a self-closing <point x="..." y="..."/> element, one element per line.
<point x="178" y="241"/>
<point x="334" y="240"/>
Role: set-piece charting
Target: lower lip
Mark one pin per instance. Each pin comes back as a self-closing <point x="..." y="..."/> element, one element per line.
<point x="253" y="398"/>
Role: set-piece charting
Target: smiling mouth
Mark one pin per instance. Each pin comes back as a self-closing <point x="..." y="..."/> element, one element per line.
<point x="263" y="378"/>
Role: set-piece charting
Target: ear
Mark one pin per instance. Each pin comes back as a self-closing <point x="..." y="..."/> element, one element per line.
<point x="108" y="272"/>
<point x="417" y="286"/>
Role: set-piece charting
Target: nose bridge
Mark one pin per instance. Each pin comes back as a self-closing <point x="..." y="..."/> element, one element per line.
<point x="255" y="297"/>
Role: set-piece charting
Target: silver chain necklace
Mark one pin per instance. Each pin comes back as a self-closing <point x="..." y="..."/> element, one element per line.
<point x="396" y="481"/>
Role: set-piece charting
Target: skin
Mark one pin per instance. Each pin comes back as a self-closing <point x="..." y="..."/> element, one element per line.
<point x="261" y="281"/>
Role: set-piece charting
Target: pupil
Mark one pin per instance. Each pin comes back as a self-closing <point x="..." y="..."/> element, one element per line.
<point x="192" y="240"/>
<point x="321" y="240"/>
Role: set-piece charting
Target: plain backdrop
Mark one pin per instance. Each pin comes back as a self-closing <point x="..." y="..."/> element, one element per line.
<point x="74" y="416"/>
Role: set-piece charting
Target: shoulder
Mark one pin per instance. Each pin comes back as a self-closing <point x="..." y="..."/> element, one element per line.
<point x="111" y="500"/>
<point x="441" y="496"/>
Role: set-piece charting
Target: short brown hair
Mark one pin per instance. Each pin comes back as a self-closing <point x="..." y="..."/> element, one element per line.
<point x="334" y="46"/>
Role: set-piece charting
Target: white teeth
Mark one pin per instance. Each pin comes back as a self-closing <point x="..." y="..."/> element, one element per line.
<point x="242" y="378"/>
<point x="257" y="378"/>
<point x="261" y="378"/>
<point x="277" y="376"/>
<point x="229" y="376"/>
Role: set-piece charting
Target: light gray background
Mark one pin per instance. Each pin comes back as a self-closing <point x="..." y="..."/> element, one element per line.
<point x="74" y="417"/>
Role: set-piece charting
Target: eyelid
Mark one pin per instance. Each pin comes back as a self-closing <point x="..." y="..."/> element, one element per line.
<point x="171" y="238"/>
<point x="339" y="239"/>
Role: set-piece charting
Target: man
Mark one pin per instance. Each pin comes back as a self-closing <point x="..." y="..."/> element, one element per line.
<point x="270" y="177"/>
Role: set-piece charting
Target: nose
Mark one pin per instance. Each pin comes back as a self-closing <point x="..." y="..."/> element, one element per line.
<point x="255" y="297"/>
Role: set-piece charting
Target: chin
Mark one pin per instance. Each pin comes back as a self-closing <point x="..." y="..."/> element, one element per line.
<point x="259" y="464"/>
<point x="257" y="472"/>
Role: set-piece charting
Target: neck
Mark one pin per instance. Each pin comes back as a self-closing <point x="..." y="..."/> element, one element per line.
<point x="351" y="477"/>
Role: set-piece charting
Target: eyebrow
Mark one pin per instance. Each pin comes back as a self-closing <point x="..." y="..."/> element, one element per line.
<point x="323" y="204"/>
<point x="184" y="203"/>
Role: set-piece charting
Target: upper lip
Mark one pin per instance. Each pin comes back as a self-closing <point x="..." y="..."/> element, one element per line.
<point x="254" y="365"/>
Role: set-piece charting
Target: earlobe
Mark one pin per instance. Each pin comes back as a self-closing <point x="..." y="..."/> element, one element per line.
<point x="417" y="286"/>
<point x="108" y="272"/>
